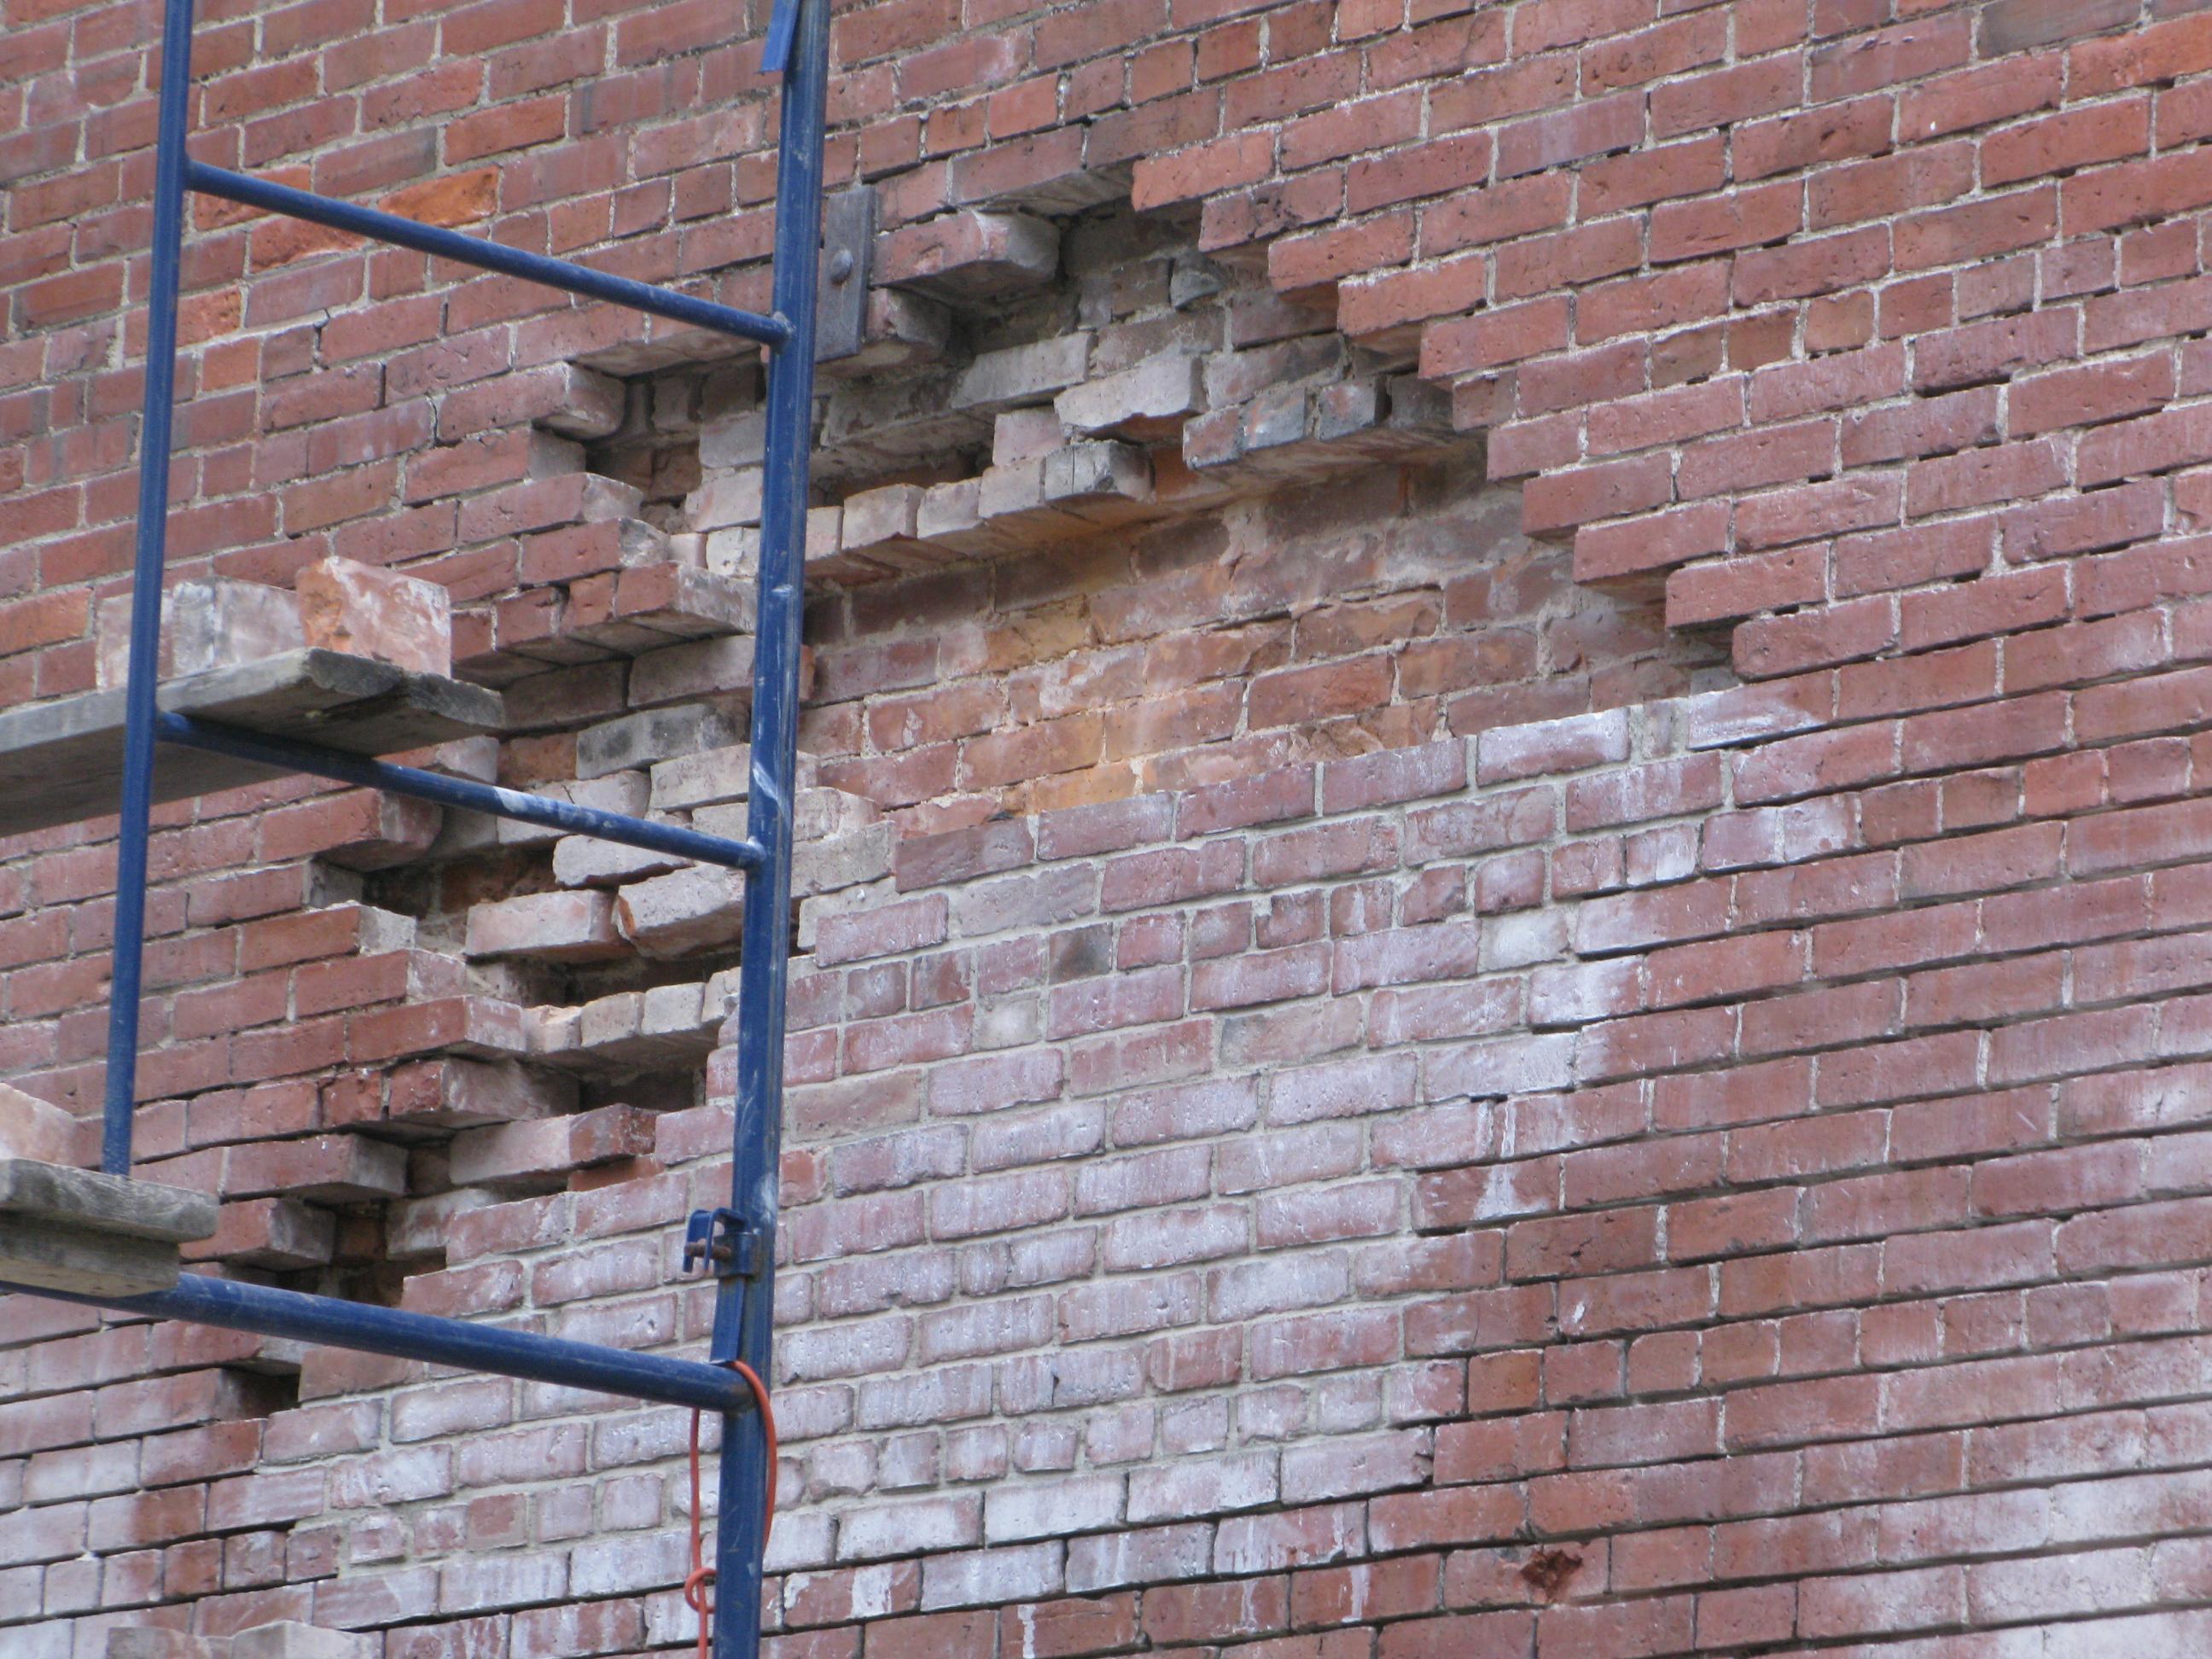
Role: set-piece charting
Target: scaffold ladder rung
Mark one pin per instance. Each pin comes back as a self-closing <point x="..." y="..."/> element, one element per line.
<point x="541" y="267"/>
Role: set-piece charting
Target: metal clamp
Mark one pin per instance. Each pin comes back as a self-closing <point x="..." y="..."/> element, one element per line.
<point x="722" y="1242"/>
<point x="848" y="243"/>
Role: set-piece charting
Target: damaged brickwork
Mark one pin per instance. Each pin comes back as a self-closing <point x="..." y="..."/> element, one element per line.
<point x="1498" y="946"/>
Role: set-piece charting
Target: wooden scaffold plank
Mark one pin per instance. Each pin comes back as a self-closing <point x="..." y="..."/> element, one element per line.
<point x="62" y="761"/>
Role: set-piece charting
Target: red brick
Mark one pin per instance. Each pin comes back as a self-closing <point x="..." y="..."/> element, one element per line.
<point x="1560" y="501"/>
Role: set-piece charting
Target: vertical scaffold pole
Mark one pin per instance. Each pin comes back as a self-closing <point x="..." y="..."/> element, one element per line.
<point x="798" y="43"/>
<point x="154" y="451"/>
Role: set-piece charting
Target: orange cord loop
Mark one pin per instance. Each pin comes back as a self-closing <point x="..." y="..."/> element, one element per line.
<point x="702" y="1575"/>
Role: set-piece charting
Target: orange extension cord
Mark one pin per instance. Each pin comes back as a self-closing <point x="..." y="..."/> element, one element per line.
<point x="702" y="1575"/>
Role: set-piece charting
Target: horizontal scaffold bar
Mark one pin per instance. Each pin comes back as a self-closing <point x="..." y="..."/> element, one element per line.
<point x="366" y="1329"/>
<point x="465" y="793"/>
<point x="487" y="256"/>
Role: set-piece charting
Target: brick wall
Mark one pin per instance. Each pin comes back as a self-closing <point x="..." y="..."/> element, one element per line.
<point x="1501" y="942"/>
<point x="1612" y="1185"/>
<point x="1316" y="623"/>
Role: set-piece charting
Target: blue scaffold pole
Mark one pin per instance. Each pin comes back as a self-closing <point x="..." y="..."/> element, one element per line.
<point x="744" y="1311"/>
<point x="155" y="429"/>
<point x="367" y="1327"/>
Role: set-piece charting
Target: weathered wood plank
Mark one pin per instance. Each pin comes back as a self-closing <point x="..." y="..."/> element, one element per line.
<point x="62" y="762"/>
<point x="86" y="1198"/>
<point x="63" y="1228"/>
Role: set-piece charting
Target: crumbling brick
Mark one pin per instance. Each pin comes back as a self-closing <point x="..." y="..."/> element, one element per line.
<point x="208" y="624"/>
<point x="1145" y="403"/>
<point x="970" y="256"/>
<point x="696" y="909"/>
<point x="532" y="1156"/>
<point x="30" y="1127"/>
<point x="575" y="927"/>
<point x="367" y="612"/>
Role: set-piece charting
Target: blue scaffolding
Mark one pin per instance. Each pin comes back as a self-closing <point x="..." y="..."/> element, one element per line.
<point x="735" y="1243"/>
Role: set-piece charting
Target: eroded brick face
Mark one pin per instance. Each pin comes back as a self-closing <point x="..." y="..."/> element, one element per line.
<point x="1500" y="943"/>
<point x="1389" y="610"/>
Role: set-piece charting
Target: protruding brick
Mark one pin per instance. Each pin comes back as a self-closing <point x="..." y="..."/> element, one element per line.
<point x="710" y="777"/>
<point x="337" y="1169"/>
<point x="213" y="621"/>
<point x="634" y="741"/>
<point x="1094" y="480"/>
<point x="278" y="1234"/>
<point x="971" y="256"/>
<point x="697" y="908"/>
<point x="469" y="1093"/>
<point x="30" y="1127"/>
<point x="366" y="612"/>
<point x="570" y="926"/>
<point x="540" y="1155"/>
<point x="1024" y="375"/>
<point x="624" y="790"/>
<point x="1146" y="403"/>
<point x="589" y="861"/>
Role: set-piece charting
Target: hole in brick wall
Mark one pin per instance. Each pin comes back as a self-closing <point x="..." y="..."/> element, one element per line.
<point x="438" y="893"/>
<point x="1128" y="521"/>
<point x="656" y="449"/>
<point x="1137" y="522"/>
<point x="269" y="1383"/>
<point x="1396" y="605"/>
<point x="359" y="1213"/>
<point x="373" y="1277"/>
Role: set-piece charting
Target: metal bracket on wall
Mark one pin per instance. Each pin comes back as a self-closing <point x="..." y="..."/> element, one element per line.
<point x="720" y="1241"/>
<point x="848" y="242"/>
